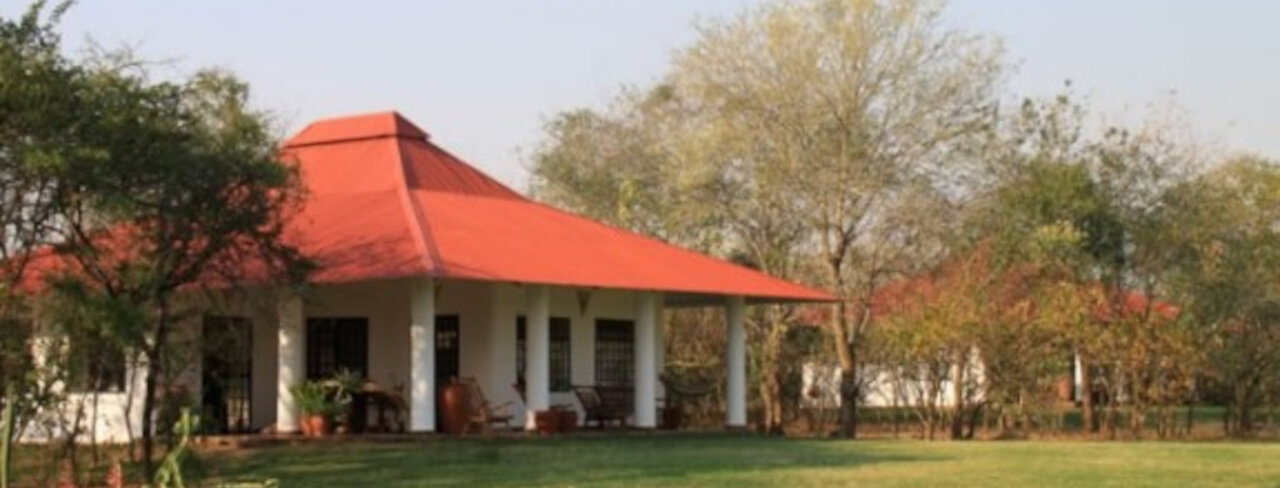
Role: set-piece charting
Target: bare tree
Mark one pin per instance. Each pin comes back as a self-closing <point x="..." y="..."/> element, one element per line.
<point x="857" y="101"/>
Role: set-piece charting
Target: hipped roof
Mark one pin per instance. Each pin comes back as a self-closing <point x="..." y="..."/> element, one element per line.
<point x="385" y="202"/>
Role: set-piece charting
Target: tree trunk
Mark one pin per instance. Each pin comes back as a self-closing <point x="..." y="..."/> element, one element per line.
<point x="1087" y="410"/>
<point x="1113" y="409"/>
<point x="848" y="402"/>
<point x="893" y="415"/>
<point x="155" y="364"/>
<point x="848" y="372"/>
<point x="1137" y="410"/>
<point x="957" y="395"/>
<point x="6" y="437"/>
<point x="1191" y="417"/>
<point x="770" y="382"/>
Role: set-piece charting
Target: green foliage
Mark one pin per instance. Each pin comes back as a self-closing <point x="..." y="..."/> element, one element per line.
<point x="1226" y="248"/>
<point x="330" y="397"/>
<point x="311" y="397"/>
<point x="142" y="187"/>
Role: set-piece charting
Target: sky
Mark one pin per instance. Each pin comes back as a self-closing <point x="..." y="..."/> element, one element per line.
<point x="483" y="76"/>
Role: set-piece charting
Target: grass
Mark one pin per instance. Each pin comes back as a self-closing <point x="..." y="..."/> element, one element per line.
<point x="731" y="460"/>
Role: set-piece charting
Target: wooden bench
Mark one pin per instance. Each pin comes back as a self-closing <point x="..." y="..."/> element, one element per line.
<point x="604" y="404"/>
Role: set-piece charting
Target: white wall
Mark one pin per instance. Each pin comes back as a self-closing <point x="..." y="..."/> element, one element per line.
<point x="102" y="417"/>
<point x="487" y="313"/>
<point x="881" y="391"/>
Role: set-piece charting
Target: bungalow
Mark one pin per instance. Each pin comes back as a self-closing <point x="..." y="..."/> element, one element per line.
<point x="430" y="270"/>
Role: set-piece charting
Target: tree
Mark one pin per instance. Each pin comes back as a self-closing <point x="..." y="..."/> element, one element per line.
<point x="37" y="130"/>
<point x="1227" y="252"/>
<point x="635" y="165"/>
<point x="1089" y="215"/>
<point x="657" y="167"/>
<point x="856" y="101"/>
<point x="802" y="136"/>
<point x="146" y="191"/>
<point x="188" y="192"/>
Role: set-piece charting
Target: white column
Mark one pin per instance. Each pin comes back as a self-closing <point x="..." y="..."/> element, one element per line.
<point x="537" y="365"/>
<point x="736" y="360"/>
<point x="291" y="356"/>
<point x="422" y="355"/>
<point x="646" y="355"/>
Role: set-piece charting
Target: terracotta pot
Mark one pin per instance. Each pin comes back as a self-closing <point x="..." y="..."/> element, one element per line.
<point x="315" y="426"/>
<point x="547" y="421"/>
<point x="455" y="401"/>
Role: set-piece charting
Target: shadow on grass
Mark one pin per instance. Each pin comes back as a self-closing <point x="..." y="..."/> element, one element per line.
<point x="627" y="460"/>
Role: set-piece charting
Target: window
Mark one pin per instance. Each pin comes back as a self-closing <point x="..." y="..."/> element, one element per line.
<point x="99" y="364"/>
<point x="448" y="349"/>
<point x="615" y="352"/>
<point x="560" y="367"/>
<point x="227" y="374"/>
<point x="334" y="344"/>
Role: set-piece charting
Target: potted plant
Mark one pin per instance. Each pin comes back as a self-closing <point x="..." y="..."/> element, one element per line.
<point x="313" y="403"/>
<point x="340" y="390"/>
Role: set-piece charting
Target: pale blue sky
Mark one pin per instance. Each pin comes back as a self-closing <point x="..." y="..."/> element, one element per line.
<point x="481" y="76"/>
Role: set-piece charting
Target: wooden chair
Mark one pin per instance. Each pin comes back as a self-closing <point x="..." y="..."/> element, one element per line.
<point x="482" y="414"/>
<point x="389" y="405"/>
<point x="603" y="404"/>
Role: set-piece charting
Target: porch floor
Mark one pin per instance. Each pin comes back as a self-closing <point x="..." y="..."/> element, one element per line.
<point x="238" y="441"/>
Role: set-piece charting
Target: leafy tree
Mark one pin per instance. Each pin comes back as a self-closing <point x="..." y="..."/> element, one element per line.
<point x="155" y="190"/>
<point x="1089" y="216"/>
<point x="37" y="130"/>
<point x="189" y="192"/>
<point x="1228" y="249"/>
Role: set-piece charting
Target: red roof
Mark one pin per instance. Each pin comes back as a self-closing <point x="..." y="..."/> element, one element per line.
<point x="384" y="202"/>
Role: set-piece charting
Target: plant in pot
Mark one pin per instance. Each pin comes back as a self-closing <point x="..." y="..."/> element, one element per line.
<point x="313" y="402"/>
<point x="340" y="389"/>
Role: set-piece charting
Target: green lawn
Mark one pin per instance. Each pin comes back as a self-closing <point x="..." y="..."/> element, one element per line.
<point x="727" y="460"/>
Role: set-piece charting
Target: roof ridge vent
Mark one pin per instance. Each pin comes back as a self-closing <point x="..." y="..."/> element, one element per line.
<point x="357" y="127"/>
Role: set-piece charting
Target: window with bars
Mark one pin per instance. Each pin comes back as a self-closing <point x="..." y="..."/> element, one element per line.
<point x="227" y="374"/>
<point x="561" y="367"/>
<point x="615" y="352"/>
<point x="335" y="344"/>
